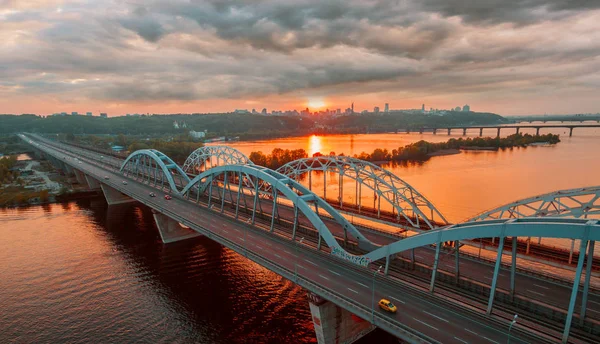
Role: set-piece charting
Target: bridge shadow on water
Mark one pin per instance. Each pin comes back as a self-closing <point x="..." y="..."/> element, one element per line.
<point x="212" y="294"/>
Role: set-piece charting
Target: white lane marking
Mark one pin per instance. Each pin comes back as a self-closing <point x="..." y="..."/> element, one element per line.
<point x="286" y="251"/>
<point x="417" y="256"/>
<point x="402" y="302"/>
<point x="225" y="231"/>
<point x="541" y="286"/>
<point x="435" y="316"/>
<point x="593" y="310"/>
<point x="475" y="333"/>
<point x="308" y="261"/>
<point x="460" y="340"/>
<point x="333" y="272"/>
<point x="242" y="239"/>
<point x="364" y="285"/>
<point x="260" y="247"/>
<point x="486" y="277"/>
<point x="424" y="323"/>
<point x="300" y="266"/>
<point x="278" y="256"/>
<point x="535" y="292"/>
<point x="352" y="290"/>
<point x="268" y="243"/>
<point x="491" y="340"/>
<point x="324" y="277"/>
<point x="235" y="229"/>
<point x="596" y="302"/>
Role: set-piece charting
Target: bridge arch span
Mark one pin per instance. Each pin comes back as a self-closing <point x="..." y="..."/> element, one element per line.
<point x="407" y="203"/>
<point x="273" y="185"/>
<point x="576" y="203"/>
<point x="153" y="165"/>
<point x="199" y="159"/>
<point x="558" y="228"/>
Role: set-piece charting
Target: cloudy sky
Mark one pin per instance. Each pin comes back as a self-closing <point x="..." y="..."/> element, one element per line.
<point x="167" y="56"/>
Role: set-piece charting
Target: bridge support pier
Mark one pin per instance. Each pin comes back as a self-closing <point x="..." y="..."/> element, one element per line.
<point x="464" y="131"/>
<point x="114" y="197"/>
<point x="537" y="131"/>
<point x="92" y="183"/>
<point x="498" y="134"/>
<point x="575" y="289"/>
<point x="421" y="131"/>
<point x="170" y="230"/>
<point x="435" y="265"/>
<point x="334" y="324"/>
<point x="434" y="131"/>
<point x="80" y="176"/>
<point x="480" y="131"/>
<point x="570" y="131"/>
<point x="518" y="130"/>
<point x="449" y="130"/>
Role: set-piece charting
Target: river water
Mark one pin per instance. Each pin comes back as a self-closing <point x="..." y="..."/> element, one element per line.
<point x="81" y="272"/>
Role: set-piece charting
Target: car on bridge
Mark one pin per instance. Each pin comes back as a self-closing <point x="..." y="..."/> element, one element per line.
<point x="106" y="177"/>
<point x="167" y="197"/>
<point x="387" y="306"/>
<point x="124" y="183"/>
<point x="152" y="194"/>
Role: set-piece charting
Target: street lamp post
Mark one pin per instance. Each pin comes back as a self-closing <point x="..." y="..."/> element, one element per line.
<point x="296" y="263"/>
<point x="510" y="327"/>
<point x="373" y="297"/>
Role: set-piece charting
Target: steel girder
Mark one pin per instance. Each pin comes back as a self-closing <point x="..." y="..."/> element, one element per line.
<point x="405" y="199"/>
<point x="148" y="161"/>
<point x="577" y="203"/>
<point x="297" y="193"/>
<point x="224" y="155"/>
<point x="547" y="227"/>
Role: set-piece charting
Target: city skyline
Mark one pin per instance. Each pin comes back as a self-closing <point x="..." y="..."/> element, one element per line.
<point x="181" y="57"/>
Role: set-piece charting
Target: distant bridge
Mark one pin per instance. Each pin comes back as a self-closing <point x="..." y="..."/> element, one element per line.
<point x="518" y="127"/>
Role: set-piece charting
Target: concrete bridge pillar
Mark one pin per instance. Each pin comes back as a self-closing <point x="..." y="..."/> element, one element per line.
<point x="421" y="131"/>
<point x="434" y="131"/>
<point x="449" y="130"/>
<point x="570" y="131"/>
<point x="408" y="131"/>
<point x="498" y="134"/>
<point x="480" y="131"/>
<point x="80" y="176"/>
<point x="464" y="131"/>
<point x="537" y="131"/>
<point x="518" y="128"/>
<point x="114" y="196"/>
<point x="68" y="169"/>
<point x="92" y="183"/>
<point x="170" y="230"/>
<point x="334" y="324"/>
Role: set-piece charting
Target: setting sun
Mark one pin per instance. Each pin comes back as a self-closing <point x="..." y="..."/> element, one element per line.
<point x="316" y="103"/>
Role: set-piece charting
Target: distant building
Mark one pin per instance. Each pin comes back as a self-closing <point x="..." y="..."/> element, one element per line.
<point x="63" y="113"/>
<point x="423" y="108"/>
<point x="349" y="110"/>
<point x="74" y="113"/>
<point x="88" y="114"/>
<point x="386" y="108"/>
<point x="241" y="111"/>
<point x="197" y="134"/>
<point x="103" y="115"/>
<point x="338" y="111"/>
<point x="175" y="125"/>
<point x="352" y="107"/>
<point x="376" y="109"/>
<point x="466" y="108"/>
<point x="117" y="148"/>
<point x="457" y="108"/>
<point x="264" y="111"/>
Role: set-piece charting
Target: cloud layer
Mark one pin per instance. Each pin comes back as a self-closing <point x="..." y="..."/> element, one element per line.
<point x="171" y="56"/>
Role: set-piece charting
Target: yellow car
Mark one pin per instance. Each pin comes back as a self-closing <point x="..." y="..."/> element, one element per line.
<point x="386" y="305"/>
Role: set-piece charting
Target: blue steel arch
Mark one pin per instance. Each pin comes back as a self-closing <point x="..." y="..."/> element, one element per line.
<point x="298" y="194"/>
<point x="224" y="155"/>
<point x="143" y="158"/>
<point x="408" y="203"/>
<point x="547" y="227"/>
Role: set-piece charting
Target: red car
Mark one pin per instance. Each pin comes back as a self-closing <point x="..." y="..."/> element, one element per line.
<point x="167" y="197"/>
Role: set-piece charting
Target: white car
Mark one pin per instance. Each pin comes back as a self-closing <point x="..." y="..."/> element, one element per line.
<point x="124" y="183"/>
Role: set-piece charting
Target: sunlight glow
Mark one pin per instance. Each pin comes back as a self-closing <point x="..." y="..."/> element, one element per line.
<point x="315" y="103"/>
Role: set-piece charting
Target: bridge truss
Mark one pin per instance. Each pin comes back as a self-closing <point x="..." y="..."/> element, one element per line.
<point x="207" y="157"/>
<point x="576" y="203"/>
<point x="154" y="167"/>
<point x="407" y="204"/>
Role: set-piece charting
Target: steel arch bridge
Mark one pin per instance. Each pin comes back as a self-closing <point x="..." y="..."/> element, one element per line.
<point x="154" y="166"/>
<point x="576" y="203"/>
<point x="222" y="178"/>
<point x="199" y="159"/>
<point x="406" y="202"/>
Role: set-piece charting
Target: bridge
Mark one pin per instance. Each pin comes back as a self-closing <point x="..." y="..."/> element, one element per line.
<point x="557" y="118"/>
<point x="517" y="128"/>
<point x="444" y="293"/>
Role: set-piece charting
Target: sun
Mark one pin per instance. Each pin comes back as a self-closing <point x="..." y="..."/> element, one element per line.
<point x="315" y="103"/>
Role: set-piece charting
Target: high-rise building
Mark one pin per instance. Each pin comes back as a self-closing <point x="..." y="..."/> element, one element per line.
<point x="376" y="109"/>
<point x="103" y="115"/>
<point x="386" y="108"/>
<point x="466" y="108"/>
<point x="352" y="107"/>
<point x="88" y="114"/>
<point x="423" y="108"/>
<point x="74" y="113"/>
